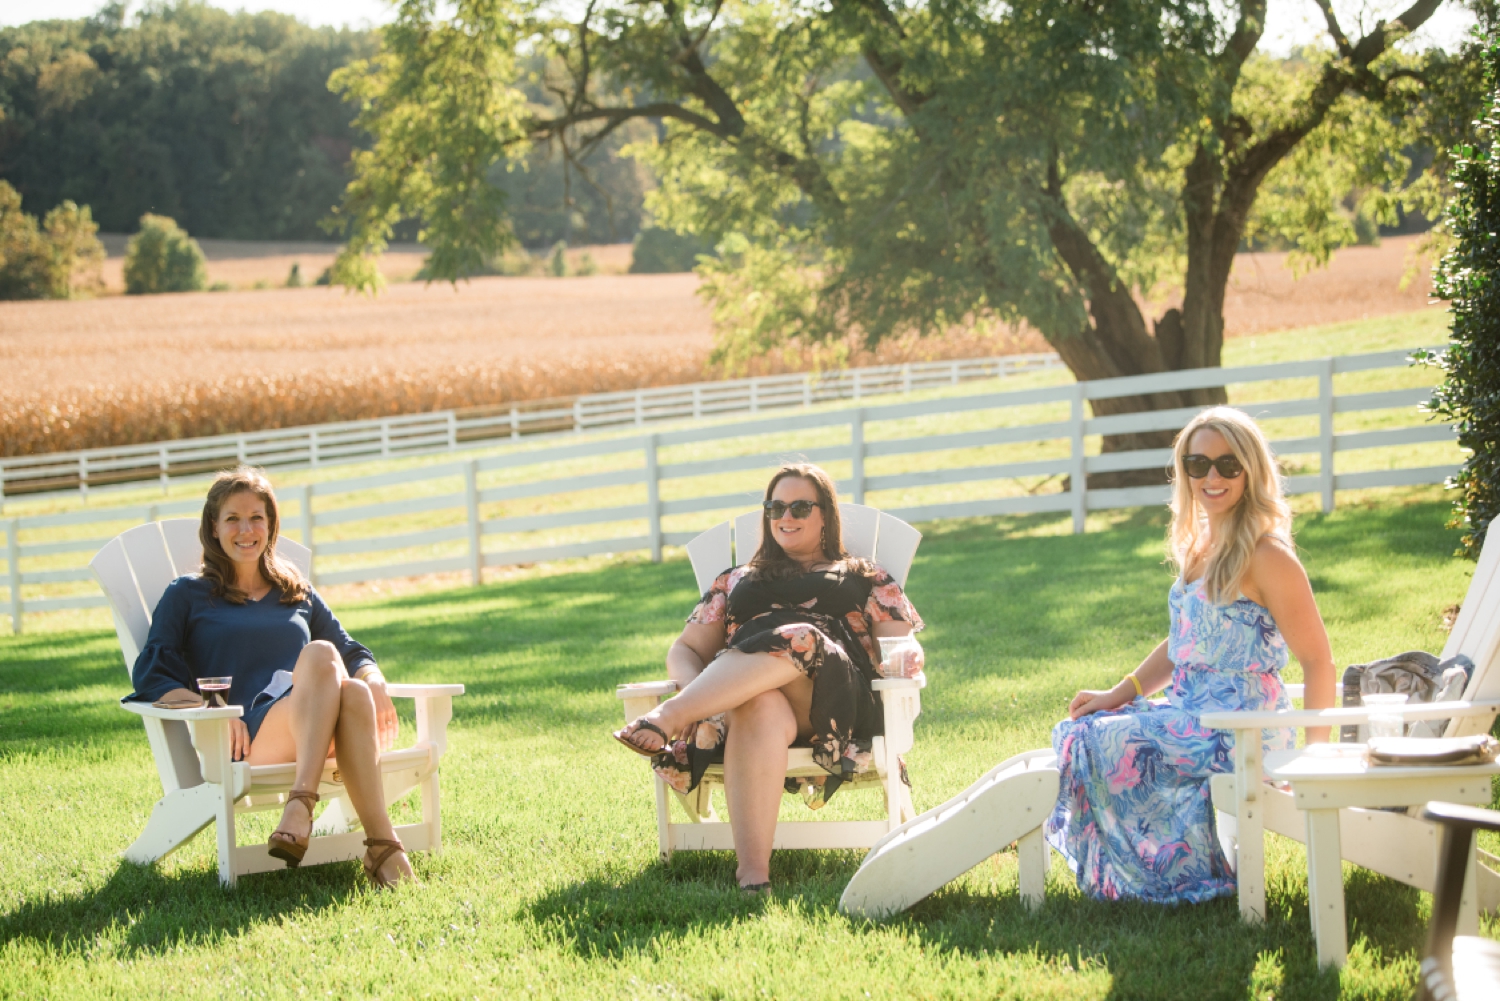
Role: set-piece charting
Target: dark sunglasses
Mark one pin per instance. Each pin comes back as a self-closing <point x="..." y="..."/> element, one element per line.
<point x="799" y="509"/>
<point x="1197" y="466"/>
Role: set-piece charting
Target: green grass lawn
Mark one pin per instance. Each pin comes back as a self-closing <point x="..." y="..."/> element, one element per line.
<point x="550" y="885"/>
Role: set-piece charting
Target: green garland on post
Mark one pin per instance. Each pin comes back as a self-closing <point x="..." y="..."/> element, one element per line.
<point x="1469" y="278"/>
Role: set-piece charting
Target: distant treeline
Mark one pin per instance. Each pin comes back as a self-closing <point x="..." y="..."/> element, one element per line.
<point x="225" y="123"/>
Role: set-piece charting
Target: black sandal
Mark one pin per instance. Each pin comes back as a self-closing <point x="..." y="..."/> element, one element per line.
<point x="643" y="724"/>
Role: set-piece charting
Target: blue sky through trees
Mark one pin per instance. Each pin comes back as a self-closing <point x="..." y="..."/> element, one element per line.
<point x="1289" y="23"/>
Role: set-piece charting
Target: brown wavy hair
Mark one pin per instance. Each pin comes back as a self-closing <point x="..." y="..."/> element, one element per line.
<point x="218" y="567"/>
<point x="771" y="562"/>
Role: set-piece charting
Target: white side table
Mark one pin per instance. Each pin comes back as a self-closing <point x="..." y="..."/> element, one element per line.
<point x="1325" y="778"/>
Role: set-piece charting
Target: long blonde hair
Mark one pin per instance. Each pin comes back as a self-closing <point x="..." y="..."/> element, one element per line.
<point x="218" y="567"/>
<point x="1261" y="511"/>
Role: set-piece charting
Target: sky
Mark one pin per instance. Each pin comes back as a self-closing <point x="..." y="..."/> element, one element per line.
<point x="1289" y="22"/>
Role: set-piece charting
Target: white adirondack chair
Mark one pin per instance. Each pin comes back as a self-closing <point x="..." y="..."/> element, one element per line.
<point x="200" y="784"/>
<point x="1332" y="792"/>
<point x="870" y="534"/>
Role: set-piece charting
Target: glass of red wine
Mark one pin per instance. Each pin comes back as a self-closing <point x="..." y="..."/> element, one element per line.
<point x="212" y="690"/>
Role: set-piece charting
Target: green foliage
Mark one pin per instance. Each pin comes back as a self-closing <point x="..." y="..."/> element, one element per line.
<point x="58" y="260"/>
<point x="1469" y="277"/>
<point x="440" y="102"/>
<point x="222" y="121"/>
<point x="557" y="261"/>
<point x="659" y="251"/>
<point x="161" y="257"/>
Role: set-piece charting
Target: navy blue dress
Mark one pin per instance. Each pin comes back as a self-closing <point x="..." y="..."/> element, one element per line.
<point x="195" y="635"/>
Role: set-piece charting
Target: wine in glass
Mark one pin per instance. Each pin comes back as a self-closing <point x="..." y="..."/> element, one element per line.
<point x="212" y="690"/>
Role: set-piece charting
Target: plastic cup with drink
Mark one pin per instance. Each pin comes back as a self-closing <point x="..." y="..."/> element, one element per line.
<point x="900" y="657"/>
<point x="1385" y="716"/>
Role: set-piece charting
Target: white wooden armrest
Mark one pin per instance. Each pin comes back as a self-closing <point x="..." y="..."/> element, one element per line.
<point x="645" y="690"/>
<point x="186" y="715"/>
<point x="1333" y="717"/>
<point x="422" y="691"/>
<point x="1294" y="691"/>
<point x="891" y="684"/>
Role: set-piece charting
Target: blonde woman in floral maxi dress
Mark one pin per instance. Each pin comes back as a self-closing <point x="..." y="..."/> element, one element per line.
<point x="1133" y="814"/>
<point x="779" y="651"/>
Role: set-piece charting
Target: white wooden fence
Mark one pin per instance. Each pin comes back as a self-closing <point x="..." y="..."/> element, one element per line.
<point x="447" y="430"/>
<point x="469" y="528"/>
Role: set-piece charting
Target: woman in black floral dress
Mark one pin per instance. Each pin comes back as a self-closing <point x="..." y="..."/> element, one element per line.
<point x="780" y="651"/>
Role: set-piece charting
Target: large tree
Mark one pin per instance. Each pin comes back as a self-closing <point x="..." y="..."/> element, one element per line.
<point x="879" y="167"/>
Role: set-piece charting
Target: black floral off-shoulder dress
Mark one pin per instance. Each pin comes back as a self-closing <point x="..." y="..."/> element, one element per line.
<point x="823" y="623"/>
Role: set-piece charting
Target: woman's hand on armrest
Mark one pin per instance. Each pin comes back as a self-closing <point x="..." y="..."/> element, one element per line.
<point x="239" y="734"/>
<point x="1153" y="673"/>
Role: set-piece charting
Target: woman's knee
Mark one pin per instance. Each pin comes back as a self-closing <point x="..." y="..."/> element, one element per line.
<point x="768" y="713"/>
<point x="355" y="699"/>
<point x="319" y="662"/>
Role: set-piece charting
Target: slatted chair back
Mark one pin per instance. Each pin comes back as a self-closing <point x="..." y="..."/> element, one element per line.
<point x="133" y="569"/>
<point x="869" y="533"/>
<point x="1476" y="634"/>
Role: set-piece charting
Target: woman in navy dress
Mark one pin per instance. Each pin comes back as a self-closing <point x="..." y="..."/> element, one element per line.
<point x="309" y="690"/>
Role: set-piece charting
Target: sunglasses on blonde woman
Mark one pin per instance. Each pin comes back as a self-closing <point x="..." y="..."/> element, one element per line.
<point x="1197" y="466"/>
<point x="799" y="509"/>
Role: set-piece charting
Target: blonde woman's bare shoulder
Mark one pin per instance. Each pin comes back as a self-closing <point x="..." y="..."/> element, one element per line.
<point x="1274" y="557"/>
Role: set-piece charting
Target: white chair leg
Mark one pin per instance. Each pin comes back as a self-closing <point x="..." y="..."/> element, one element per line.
<point x="1325" y="886"/>
<point x="338" y="817"/>
<point x="663" y="819"/>
<point x="213" y="749"/>
<point x="1031" y="853"/>
<point x="908" y="808"/>
<point x="175" y="818"/>
<point x="1250" y="835"/>
<point x="1468" y="903"/>
<point x="432" y="813"/>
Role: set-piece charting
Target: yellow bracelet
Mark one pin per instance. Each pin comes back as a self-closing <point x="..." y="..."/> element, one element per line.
<point x="1137" y="683"/>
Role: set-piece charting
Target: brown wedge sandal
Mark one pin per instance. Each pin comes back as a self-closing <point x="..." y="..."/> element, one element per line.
<point x="372" y="866"/>
<point x="285" y="845"/>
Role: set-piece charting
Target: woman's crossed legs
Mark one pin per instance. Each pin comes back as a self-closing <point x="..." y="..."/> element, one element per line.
<point x="767" y="699"/>
<point x="329" y="714"/>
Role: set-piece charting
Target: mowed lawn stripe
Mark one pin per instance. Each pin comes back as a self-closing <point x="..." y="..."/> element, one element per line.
<point x="550" y="884"/>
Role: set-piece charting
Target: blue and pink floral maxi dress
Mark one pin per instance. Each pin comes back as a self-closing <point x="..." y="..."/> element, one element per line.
<point x="1133" y="814"/>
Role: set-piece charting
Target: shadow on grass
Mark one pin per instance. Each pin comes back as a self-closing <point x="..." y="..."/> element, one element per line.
<point x="153" y="913"/>
<point x="1150" y="951"/>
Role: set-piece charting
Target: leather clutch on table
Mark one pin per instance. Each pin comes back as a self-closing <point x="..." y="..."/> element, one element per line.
<point x="1408" y="751"/>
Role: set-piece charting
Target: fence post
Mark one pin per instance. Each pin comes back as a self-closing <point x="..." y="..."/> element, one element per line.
<point x="476" y="531"/>
<point x="13" y="566"/>
<point x="312" y="448"/>
<point x="954" y="368"/>
<point x="906" y="378"/>
<point x="2" y="488"/>
<point x="1325" y="433"/>
<point x="578" y="415"/>
<point x="241" y="451"/>
<point x="164" y="465"/>
<point x="385" y="438"/>
<point x="697" y="402"/>
<point x="515" y="423"/>
<point x="1078" y="479"/>
<point x="858" y="388"/>
<point x="640" y="410"/>
<point x="452" y="431"/>
<point x="754" y="396"/>
<point x="653" y="499"/>
<point x="807" y="390"/>
<point x="83" y="477"/>
<point x="857" y="454"/>
<point x="304" y="501"/>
